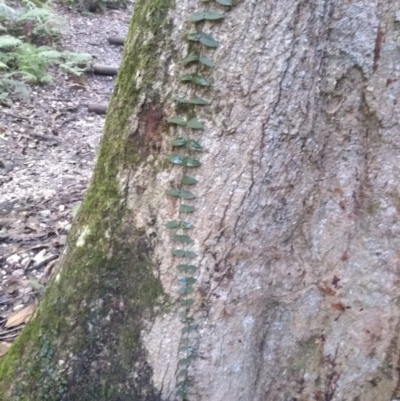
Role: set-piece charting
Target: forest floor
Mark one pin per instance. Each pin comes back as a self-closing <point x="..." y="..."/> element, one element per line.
<point x="47" y="151"/>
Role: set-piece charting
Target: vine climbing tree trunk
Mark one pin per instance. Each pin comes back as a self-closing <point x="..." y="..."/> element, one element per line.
<point x="275" y="276"/>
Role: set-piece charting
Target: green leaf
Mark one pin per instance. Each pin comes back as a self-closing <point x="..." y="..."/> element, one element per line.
<point x="194" y="36"/>
<point x="174" y="192"/>
<point x="224" y="2"/>
<point x="186" y="208"/>
<point x="189" y="328"/>
<point x="187" y="180"/>
<point x="186" y="225"/>
<point x="173" y="224"/>
<point x="186" y="194"/>
<point x="187" y="280"/>
<point x="191" y="357"/>
<point x="187" y="320"/>
<point x="206" y="61"/>
<point x="194" y="100"/>
<point x="205" y="15"/>
<point x="212" y="15"/>
<point x="178" y="142"/>
<point x="190" y="58"/>
<point x="187" y="302"/>
<point x="193" y="145"/>
<point x="177" y="120"/>
<point x="194" y="124"/>
<point x="180" y="253"/>
<point x="182" y="362"/>
<point x="208" y="40"/>
<point x="186" y="268"/>
<point x="183" y="372"/>
<point x="184" y="341"/>
<point x="191" y="162"/>
<point x="175" y="159"/>
<point x="178" y="223"/>
<point x="182" y="238"/>
<point x="197" y="79"/>
<point x="185" y="290"/>
<point x="181" y="393"/>
<point x="181" y="193"/>
<point x="197" y="16"/>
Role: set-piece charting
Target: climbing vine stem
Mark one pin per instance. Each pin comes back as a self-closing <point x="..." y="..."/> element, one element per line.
<point x="185" y="149"/>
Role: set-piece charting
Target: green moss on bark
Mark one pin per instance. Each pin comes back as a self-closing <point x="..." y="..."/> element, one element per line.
<point x="84" y="341"/>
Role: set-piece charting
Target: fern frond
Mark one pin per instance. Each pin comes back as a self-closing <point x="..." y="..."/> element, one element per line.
<point x="8" y="41"/>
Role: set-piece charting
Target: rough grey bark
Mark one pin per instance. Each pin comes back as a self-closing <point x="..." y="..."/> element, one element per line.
<point x="297" y="210"/>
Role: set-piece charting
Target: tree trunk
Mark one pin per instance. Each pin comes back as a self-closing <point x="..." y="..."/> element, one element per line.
<point x="296" y="221"/>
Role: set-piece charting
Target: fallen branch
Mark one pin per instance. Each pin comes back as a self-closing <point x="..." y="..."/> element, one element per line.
<point x="116" y="40"/>
<point x="98" y="108"/>
<point x="104" y="70"/>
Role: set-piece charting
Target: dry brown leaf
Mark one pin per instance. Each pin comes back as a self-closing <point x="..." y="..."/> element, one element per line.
<point x="22" y="316"/>
<point x="4" y="346"/>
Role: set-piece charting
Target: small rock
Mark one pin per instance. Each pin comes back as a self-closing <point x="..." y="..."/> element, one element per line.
<point x="45" y="213"/>
<point x="13" y="259"/>
<point x="25" y="262"/>
<point x="18" y="307"/>
<point x="40" y="257"/>
<point x="18" y="273"/>
<point x="61" y="208"/>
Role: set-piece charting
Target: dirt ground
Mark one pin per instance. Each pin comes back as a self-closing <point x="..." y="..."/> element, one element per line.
<point x="47" y="151"/>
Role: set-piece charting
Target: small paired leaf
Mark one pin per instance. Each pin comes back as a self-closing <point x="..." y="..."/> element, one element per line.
<point x="186" y="225"/>
<point x="175" y="159"/>
<point x="187" y="302"/>
<point x="173" y="224"/>
<point x="205" y="15"/>
<point x="186" y="268"/>
<point x="191" y="162"/>
<point x="180" y="253"/>
<point x="186" y="208"/>
<point x="181" y="393"/>
<point x="186" y="194"/>
<point x="212" y="15"/>
<point x="174" y="192"/>
<point x="184" y="341"/>
<point x="191" y="357"/>
<point x="206" y="61"/>
<point x="194" y="124"/>
<point x="208" y="40"/>
<point x="189" y="328"/>
<point x="224" y="2"/>
<point x="194" y="100"/>
<point x="178" y="224"/>
<point x="182" y="238"/>
<point x="187" y="320"/>
<point x="197" y="16"/>
<point x="185" y="290"/>
<point x="187" y="180"/>
<point x="190" y="58"/>
<point x="181" y="193"/>
<point x="187" y="280"/>
<point x="197" y="79"/>
<point x="178" y="142"/>
<point x="194" y="36"/>
<point x="177" y="120"/>
<point x="193" y="145"/>
<point x="182" y="362"/>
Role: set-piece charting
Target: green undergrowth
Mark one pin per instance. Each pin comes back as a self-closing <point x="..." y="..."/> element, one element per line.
<point x="28" y="49"/>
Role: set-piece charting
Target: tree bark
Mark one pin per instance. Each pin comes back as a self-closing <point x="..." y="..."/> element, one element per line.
<point x="296" y="222"/>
